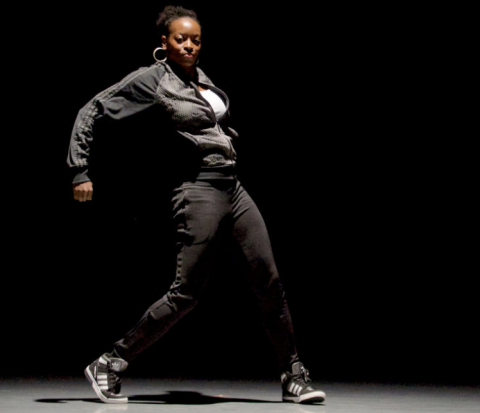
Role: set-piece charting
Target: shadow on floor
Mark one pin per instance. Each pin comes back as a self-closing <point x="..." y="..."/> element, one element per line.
<point x="172" y="397"/>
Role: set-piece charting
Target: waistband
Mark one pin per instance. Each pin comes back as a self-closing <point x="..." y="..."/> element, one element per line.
<point x="215" y="173"/>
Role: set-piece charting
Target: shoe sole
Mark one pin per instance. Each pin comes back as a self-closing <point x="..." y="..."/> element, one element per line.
<point x="316" y="397"/>
<point x="99" y="393"/>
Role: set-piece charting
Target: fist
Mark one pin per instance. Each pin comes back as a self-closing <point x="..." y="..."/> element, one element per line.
<point x="83" y="192"/>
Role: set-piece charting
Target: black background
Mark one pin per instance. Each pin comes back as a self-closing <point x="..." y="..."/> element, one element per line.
<point x="339" y="150"/>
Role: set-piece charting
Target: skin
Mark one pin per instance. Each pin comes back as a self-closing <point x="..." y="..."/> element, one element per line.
<point x="182" y="46"/>
<point x="83" y="192"/>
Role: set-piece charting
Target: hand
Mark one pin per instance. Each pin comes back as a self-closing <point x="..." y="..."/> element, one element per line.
<point x="83" y="192"/>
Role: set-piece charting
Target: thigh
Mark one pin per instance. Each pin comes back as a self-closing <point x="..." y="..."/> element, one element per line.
<point x="251" y="236"/>
<point x="199" y="210"/>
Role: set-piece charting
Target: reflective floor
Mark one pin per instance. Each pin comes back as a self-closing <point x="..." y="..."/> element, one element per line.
<point x="76" y="395"/>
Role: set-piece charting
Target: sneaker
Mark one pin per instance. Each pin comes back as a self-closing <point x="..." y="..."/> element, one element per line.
<point x="296" y="387"/>
<point x="105" y="376"/>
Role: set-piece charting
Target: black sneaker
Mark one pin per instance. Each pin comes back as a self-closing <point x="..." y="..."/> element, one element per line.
<point x="296" y="387"/>
<point x="105" y="376"/>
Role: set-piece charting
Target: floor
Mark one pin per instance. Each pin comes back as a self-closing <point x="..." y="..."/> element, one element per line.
<point x="159" y="395"/>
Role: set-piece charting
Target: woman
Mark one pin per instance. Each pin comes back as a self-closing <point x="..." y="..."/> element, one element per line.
<point x="209" y="205"/>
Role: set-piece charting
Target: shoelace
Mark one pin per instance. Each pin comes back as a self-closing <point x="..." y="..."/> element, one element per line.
<point x="114" y="381"/>
<point x="306" y="375"/>
<point x="303" y="377"/>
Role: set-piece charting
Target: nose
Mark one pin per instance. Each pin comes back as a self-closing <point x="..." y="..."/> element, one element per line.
<point x="188" y="45"/>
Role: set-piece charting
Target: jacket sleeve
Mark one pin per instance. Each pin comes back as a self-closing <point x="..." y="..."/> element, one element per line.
<point x="134" y="93"/>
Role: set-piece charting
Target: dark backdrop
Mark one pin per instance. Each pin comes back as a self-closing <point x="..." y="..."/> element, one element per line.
<point x="354" y="185"/>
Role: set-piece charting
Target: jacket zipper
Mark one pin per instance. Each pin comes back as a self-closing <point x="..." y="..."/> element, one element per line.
<point x="212" y="112"/>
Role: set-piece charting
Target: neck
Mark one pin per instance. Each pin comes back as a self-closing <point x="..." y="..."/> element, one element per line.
<point x="189" y="73"/>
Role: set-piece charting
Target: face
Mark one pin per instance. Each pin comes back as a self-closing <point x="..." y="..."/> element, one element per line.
<point x="183" y="43"/>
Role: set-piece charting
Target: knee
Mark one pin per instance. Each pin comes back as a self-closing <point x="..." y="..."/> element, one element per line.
<point x="173" y="303"/>
<point x="182" y="301"/>
<point x="271" y="295"/>
<point x="264" y="280"/>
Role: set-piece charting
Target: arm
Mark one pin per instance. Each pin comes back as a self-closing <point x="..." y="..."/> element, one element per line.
<point x="134" y="93"/>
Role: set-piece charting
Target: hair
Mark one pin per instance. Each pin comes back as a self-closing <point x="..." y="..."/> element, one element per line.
<point x="171" y="13"/>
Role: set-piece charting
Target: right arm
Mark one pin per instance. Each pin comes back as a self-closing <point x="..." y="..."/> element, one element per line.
<point x="134" y="93"/>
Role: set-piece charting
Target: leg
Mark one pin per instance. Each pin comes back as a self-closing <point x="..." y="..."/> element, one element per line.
<point x="199" y="210"/>
<point x="251" y="235"/>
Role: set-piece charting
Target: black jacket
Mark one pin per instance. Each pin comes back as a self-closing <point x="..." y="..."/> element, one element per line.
<point x="185" y="112"/>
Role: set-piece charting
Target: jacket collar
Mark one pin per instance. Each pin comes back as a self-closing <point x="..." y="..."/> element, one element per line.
<point x="201" y="79"/>
<point x="181" y="73"/>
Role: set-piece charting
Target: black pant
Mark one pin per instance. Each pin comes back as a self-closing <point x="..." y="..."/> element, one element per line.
<point x="205" y="211"/>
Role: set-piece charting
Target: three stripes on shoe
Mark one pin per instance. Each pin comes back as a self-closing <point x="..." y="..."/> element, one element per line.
<point x="102" y="378"/>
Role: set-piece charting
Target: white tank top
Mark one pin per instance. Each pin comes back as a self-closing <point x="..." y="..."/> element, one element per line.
<point x="215" y="102"/>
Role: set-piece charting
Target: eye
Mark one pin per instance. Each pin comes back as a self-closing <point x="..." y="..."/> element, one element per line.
<point x="197" y="41"/>
<point x="179" y="39"/>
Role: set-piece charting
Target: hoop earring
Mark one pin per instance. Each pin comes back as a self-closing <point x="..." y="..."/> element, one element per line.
<point x="163" y="50"/>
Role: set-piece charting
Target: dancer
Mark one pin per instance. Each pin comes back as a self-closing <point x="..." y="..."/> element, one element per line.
<point x="209" y="205"/>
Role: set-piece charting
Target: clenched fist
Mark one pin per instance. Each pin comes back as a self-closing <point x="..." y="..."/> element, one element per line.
<point x="83" y="192"/>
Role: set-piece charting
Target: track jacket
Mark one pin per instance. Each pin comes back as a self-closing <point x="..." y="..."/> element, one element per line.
<point x="188" y="113"/>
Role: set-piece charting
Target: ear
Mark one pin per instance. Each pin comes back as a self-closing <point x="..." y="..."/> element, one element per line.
<point x="164" y="41"/>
